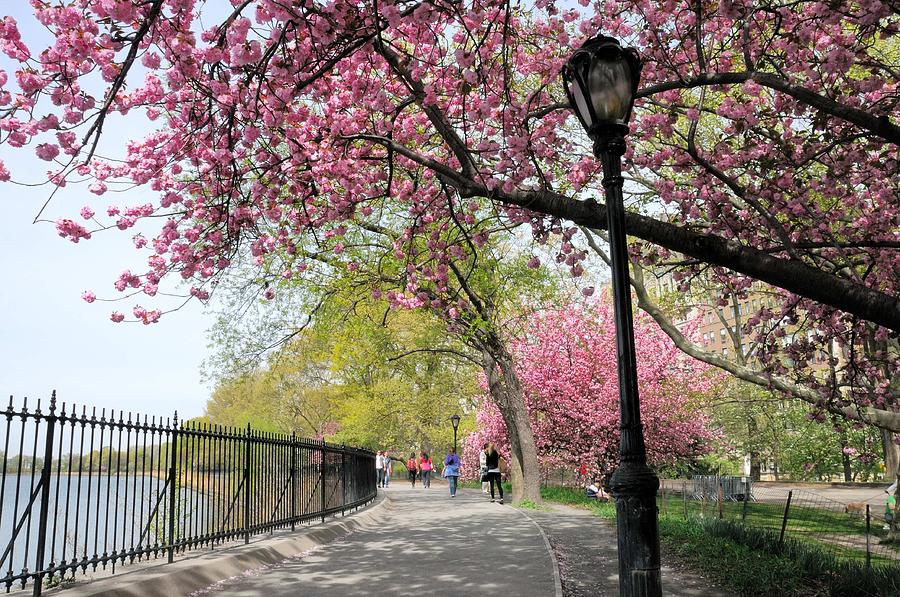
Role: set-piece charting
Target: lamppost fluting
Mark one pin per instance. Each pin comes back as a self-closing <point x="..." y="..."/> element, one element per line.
<point x="601" y="80"/>
<point x="454" y="420"/>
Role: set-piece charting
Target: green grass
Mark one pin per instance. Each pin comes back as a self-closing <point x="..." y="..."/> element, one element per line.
<point x="529" y="505"/>
<point x="740" y="568"/>
<point x="816" y="527"/>
<point x="802" y="519"/>
<point x="577" y="498"/>
<point x="747" y="559"/>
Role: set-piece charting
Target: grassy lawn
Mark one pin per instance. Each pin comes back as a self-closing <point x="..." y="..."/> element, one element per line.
<point x="840" y="534"/>
<point x="801" y="518"/>
<point x="747" y="559"/>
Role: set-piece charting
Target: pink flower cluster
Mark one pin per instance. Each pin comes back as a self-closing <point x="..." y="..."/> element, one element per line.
<point x="73" y="231"/>
<point x="284" y="131"/>
<point x="567" y="366"/>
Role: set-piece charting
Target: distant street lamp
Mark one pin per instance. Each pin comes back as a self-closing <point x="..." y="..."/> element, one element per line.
<point x="601" y="80"/>
<point x="454" y="420"/>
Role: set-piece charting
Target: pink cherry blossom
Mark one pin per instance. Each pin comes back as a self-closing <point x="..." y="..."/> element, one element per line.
<point x="572" y="395"/>
<point x="47" y="151"/>
<point x="765" y="131"/>
<point x="73" y="231"/>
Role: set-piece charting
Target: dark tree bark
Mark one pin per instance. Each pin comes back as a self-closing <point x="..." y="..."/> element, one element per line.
<point x="891" y="454"/>
<point x="752" y="430"/>
<point x="508" y="394"/>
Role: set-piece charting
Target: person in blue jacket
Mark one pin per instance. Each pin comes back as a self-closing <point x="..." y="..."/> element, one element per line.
<point x="451" y="470"/>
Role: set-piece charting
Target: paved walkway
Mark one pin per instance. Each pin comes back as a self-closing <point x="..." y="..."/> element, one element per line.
<point x="585" y="547"/>
<point x="426" y="544"/>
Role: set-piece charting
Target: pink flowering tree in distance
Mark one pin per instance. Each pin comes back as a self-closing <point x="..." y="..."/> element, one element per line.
<point x="763" y="146"/>
<point x="571" y="389"/>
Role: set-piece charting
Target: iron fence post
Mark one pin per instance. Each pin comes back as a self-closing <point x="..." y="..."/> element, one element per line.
<point x="247" y="446"/>
<point x="322" y="481"/>
<point x="746" y="499"/>
<point x="787" y="508"/>
<point x="868" y="541"/>
<point x="45" y="498"/>
<point x="173" y="460"/>
<point x="343" y="478"/>
<point x="293" y="478"/>
<point x="720" y="497"/>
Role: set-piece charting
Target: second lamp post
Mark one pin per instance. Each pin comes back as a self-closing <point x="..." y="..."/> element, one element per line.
<point x="601" y="79"/>
<point x="454" y="420"/>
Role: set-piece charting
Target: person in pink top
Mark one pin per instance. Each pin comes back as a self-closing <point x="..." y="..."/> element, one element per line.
<point x="426" y="467"/>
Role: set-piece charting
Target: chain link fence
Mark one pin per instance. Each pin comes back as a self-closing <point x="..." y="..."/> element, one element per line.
<point x="856" y="532"/>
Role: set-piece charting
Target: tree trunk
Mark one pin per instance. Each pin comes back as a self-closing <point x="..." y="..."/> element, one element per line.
<point x="848" y="471"/>
<point x="752" y="432"/>
<point x="755" y="468"/>
<point x="506" y="390"/>
<point x="891" y="455"/>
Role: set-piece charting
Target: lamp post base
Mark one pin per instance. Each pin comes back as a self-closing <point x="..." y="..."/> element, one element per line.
<point x="634" y="486"/>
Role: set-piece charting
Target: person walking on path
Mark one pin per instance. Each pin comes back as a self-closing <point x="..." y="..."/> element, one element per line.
<point x="379" y="469"/>
<point x="412" y="469"/>
<point x="493" y="464"/>
<point x="425" y="465"/>
<point x="482" y="468"/>
<point x="451" y="471"/>
<point x="388" y="468"/>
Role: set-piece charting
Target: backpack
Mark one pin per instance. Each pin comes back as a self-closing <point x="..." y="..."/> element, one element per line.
<point x="411" y="464"/>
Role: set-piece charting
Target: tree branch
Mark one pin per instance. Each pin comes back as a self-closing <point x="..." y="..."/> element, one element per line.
<point x="790" y="274"/>
<point x="877" y="125"/>
<point x="880" y="418"/>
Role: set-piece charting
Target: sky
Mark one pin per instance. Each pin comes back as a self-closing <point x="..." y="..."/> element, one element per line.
<point x="50" y="339"/>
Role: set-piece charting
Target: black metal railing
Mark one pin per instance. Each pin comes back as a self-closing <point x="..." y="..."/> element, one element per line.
<point x="82" y="491"/>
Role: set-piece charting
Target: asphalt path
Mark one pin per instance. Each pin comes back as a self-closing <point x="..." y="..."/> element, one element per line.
<point x="425" y="544"/>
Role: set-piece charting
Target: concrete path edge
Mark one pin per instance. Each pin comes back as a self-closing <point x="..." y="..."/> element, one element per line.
<point x="200" y="571"/>
<point x="557" y="579"/>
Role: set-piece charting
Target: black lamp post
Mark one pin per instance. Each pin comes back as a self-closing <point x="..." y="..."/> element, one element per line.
<point x="601" y="80"/>
<point x="454" y="420"/>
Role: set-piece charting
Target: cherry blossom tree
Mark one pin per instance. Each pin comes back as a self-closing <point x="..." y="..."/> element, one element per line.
<point x="764" y="143"/>
<point x="571" y="389"/>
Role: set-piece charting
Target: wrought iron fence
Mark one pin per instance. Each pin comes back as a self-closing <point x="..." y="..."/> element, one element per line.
<point x="81" y="491"/>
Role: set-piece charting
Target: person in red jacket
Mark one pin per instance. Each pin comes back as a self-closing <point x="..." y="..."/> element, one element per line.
<point x="412" y="468"/>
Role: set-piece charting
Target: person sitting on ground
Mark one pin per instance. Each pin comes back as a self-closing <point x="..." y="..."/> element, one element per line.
<point x="595" y="491"/>
<point x="890" y="506"/>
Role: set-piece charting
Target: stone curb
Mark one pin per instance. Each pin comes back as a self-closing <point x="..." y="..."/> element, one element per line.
<point x="557" y="578"/>
<point x="193" y="573"/>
